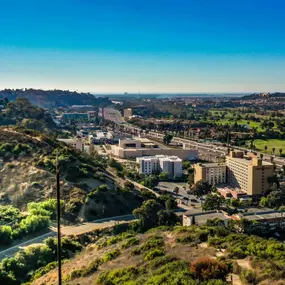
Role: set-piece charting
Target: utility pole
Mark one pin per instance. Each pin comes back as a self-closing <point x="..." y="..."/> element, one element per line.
<point x="58" y="220"/>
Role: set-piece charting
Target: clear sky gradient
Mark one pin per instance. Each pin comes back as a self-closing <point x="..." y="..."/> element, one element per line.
<point x="143" y="45"/>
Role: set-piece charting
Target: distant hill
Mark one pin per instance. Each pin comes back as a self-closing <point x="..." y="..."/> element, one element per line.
<point x="262" y="95"/>
<point x="54" y="98"/>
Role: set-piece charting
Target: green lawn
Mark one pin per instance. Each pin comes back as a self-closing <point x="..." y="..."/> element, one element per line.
<point x="270" y="144"/>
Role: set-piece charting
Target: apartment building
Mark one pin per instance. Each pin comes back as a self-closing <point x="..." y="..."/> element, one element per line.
<point x="213" y="173"/>
<point x="172" y="165"/>
<point x="248" y="173"/>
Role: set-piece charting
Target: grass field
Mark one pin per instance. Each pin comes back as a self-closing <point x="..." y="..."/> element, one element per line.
<point x="270" y="144"/>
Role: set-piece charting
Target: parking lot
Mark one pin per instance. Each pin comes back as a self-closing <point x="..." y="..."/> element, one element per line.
<point x="190" y="200"/>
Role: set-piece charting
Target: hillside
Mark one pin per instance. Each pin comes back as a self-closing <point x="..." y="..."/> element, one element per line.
<point x="54" y="98"/>
<point x="212" y="254"/>
<point x="22" y="113"/>
<point x="263" y="96"/>
<point x="28" y="175"/>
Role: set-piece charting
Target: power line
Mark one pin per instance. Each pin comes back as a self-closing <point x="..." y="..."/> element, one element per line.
<point x="58" y="220"/>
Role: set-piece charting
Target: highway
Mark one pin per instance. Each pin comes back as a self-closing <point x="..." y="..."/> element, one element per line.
<point x="209" y="151"/>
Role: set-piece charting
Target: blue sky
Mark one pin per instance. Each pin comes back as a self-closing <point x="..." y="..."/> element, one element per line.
<point x="143" y="45"/>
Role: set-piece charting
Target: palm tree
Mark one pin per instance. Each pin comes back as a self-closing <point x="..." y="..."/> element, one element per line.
<point x="273" y="150"/>
<point x="280" y="151"/>
<point x="265" y="148"/>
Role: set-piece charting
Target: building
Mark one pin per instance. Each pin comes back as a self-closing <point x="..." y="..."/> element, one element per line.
<point x="245" y="175"/>
<point x="213" y="173"/>
<point x="77" y="143"/>
<point x="249" y="174"/>
<point x="128" y="113"/>
<point x="75" y="116"/>
<point x="101" y="137"/>
<point x="132" y="148"/>
<point x="172" y="165"/>
<point x="200" y="218"/>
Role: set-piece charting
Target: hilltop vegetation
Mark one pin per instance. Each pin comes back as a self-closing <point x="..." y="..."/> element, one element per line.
<point x="28" y="175"/>
<point x="54" y="98"/>
<point x="22" y="113"/>
<point x="176" y="255"/>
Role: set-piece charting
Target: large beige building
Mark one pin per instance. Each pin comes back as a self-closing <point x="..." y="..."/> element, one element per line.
<point x="213" y="173"/>
<point x="248" y="174"/>
<point x="128" y="113"/>
<point x="132" y="148"/>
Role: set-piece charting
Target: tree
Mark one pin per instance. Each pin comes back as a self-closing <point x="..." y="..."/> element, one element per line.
<point x="191" y="179"/>
<point x="201" y="188"/>
<point x="261" y="155"/>
<point x="280" y="151"/>
<point x="167" y="218"/>
<point x="167" y="139"/>
<point x="176" y="190"/>
<point x="213" y="202"/>
<point x="147" y="214"/>
<point x="163" y="176"/>
<point x="273" y="150"/>
<point x="265" y="148"/>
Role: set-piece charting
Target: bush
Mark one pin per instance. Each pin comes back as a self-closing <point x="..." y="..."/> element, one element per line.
<point x="111" y="255"/>
<point x="205" y="268"/>
<point x="248" y="276"/>
<point x="152" y="242"/>
<point x="130" y="242"/>
<point x="153" y="254"/>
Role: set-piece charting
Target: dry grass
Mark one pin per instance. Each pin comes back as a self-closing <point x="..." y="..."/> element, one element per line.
<point x="180" y="251"/>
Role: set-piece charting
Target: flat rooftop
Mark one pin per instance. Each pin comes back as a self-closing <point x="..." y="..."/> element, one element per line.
<point x="208" y="165"/>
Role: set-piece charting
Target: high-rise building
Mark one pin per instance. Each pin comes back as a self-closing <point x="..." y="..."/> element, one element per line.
<point x="248" y="173"/>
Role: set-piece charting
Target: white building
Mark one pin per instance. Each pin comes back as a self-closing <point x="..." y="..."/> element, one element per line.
<point x="172" y="165"/>
<point x="77" y="143"/>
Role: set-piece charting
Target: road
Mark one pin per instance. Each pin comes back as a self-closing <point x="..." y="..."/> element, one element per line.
<point x="68" y="230"/>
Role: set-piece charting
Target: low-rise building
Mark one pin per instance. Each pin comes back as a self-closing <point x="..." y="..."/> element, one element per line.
<point x="77" y="143"/>
<point x="101" y="137"/>
<point x="200" y="218"/>
<point x="213" y="173"/>
<point x="132" y="148"/>
<point x="128" y="113"/>
<point x="172" y="165"/>
<point x="75" y="116"/>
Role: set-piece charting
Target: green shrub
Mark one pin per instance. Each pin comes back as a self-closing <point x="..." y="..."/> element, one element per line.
<point x="152" y="242"/>
<point x="153" y="254"/>
<point x="130" y="242"/>
<point x="111" y="255"/>
<point x="248" y="276"/>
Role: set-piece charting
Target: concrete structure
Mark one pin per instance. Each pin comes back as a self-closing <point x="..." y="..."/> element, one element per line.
<point x="75" y="116"/>
<point x="101" y="137"/>
<point x="214" y="173"/>
<point x="128" y="113"/>
<point x="172" y="165"/>
<point x="77" y="143"/>
<point x="248" y="173"/>
<point x="132" y="148"/>
<point x="200" y="218"/>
